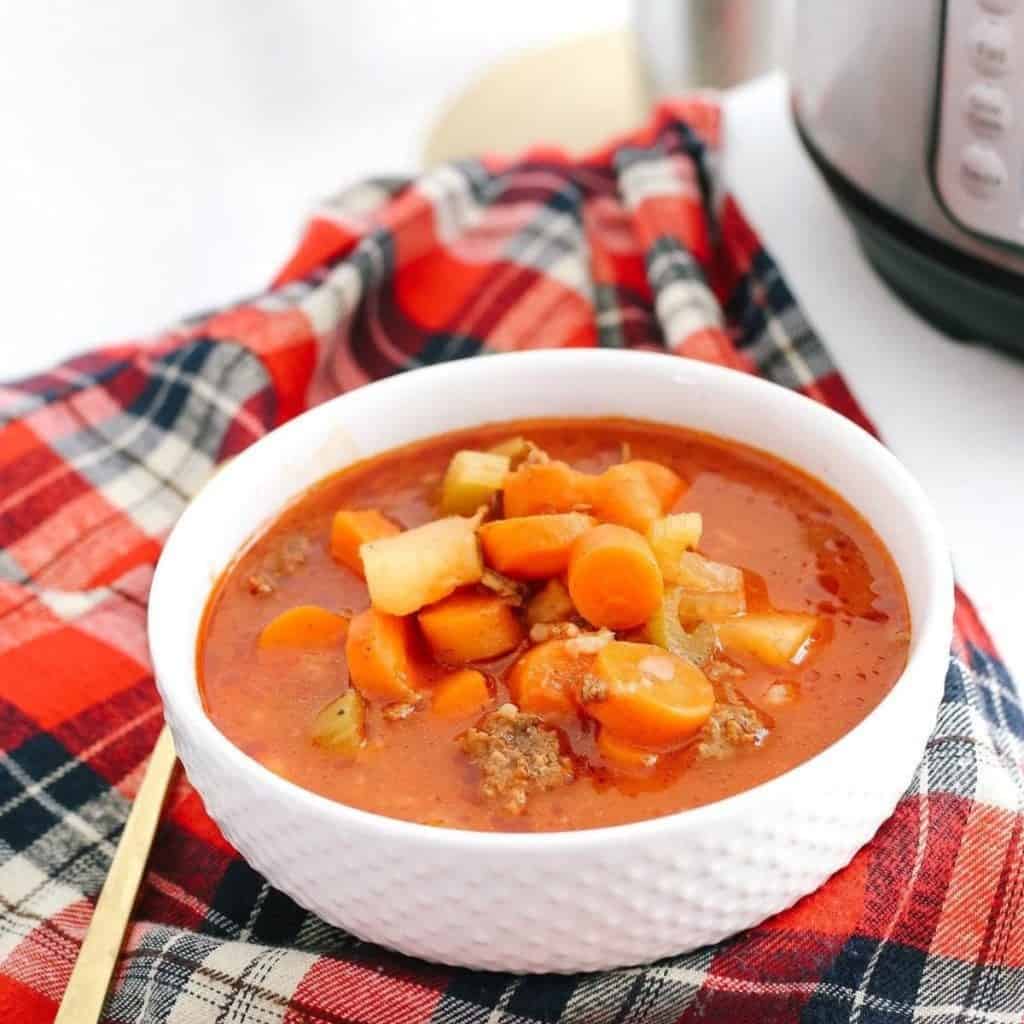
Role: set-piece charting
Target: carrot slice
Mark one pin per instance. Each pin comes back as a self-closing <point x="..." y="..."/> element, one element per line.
<point x="646" y="696"/>
<point x="380" y="658"/>
<point x="622" y="494"/>
<point x="470" y="627"/>
<point x="614" y="579"/>
<point x="622" y="755"/>
<point x="547" y="677"/>
<point x="354" y="526"/>
<point x="305" y="626"/>
<point x="666" y="484"/>
<point x="532" y="547"/>
<point x="545" y="487"/>
<point x="461" y="694"/>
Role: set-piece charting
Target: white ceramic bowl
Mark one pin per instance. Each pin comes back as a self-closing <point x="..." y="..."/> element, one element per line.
<point x="564" y="901"/>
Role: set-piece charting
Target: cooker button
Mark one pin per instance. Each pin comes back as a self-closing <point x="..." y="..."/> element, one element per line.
<point x="990" y="42"/>
<point x="988" y="109"/>
<point x="982" y="171"/>
<point x="999" y="6"/>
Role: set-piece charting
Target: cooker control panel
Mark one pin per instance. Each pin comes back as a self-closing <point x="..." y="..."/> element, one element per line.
<point x="979" y="151"/>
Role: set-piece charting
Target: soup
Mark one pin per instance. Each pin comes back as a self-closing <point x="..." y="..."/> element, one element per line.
<point x="550" y="625"/>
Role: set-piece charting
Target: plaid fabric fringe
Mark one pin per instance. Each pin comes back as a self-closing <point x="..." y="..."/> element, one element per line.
<point x="636" y="246"/>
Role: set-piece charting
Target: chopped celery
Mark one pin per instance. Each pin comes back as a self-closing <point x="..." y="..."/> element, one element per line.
<point x="472" y="479"/>
<point x="341" y="725"/>
<point x="671" y="537"/>
<point x="665" y="630"/>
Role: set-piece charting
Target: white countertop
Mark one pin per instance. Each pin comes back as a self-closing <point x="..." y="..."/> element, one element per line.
<point x="159" y="160"/>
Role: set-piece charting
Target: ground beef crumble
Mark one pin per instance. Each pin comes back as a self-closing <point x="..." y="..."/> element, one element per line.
<point x="292" y="554"/>
<point x="517" y="755"/>
<point x="260" y="584"/>
<point x="733" y="722"/>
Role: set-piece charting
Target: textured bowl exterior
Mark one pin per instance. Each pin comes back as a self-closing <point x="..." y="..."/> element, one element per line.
<point x="568" y="901"/>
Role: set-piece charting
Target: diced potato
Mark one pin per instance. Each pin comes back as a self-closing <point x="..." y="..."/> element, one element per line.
<point x="422" y="565"/>
<point x="470" y="627"/>
<point x="665" y="630"/>
<point x="709" y="591"/>
<point x="551" y="603"/>
<point x="341" y="726"/>
<point x="671" y="537"/>
<point x="472" y="479"/>
<point x="773" y="637"/>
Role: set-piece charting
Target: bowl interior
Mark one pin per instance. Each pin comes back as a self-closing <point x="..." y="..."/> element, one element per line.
<point x="256" y="485"/>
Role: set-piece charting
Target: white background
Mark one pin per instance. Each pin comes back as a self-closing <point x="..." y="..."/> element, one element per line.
<point x="158" y="159"/>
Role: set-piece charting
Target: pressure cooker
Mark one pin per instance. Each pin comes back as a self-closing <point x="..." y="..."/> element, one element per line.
<point x="913" y="110"/>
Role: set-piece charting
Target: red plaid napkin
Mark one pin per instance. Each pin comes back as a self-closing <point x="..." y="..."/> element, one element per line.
<point x="634" y="246"/>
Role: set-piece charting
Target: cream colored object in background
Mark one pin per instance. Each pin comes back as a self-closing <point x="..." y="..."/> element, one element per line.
<point x="565" y="901"/>
<point x="577" y="95"/>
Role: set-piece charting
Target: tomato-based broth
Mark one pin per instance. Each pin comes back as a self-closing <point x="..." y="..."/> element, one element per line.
<point x="786" y="619"/>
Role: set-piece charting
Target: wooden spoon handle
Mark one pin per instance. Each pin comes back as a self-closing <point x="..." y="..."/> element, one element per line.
<point x="87" y="989"/>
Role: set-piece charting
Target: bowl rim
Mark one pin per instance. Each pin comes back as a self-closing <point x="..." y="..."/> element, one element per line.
<point x="934" y="625"/>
